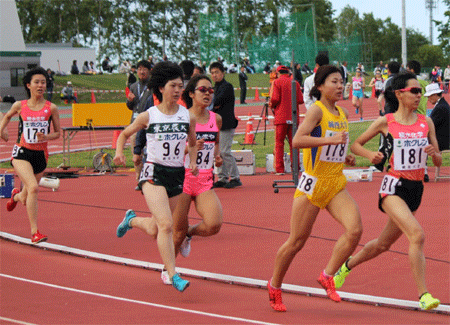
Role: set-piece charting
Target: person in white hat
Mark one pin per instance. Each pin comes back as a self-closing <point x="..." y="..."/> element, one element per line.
<point x="440" y="115"/>
<point x="67" y="93"/>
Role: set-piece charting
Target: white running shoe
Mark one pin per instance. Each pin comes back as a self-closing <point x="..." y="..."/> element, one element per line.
<point x="165" y="277"/>
<point x="185" y="248"/>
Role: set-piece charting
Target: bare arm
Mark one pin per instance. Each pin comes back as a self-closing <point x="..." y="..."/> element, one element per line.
<point x="379" y="126"/>
<point x="192" y="145"/>
<point x="433" y="148"/>
<point x="217" y="156"/>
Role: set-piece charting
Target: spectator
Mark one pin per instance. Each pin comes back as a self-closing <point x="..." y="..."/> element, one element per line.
<point x="85" y="68"/>
<point x="224" y="105"/>
<point x="50" y="84"/>
<point x="321" y="59"/>
<point x="243" y="84"/>
<point x="277" y="63"/>
<point x="232" y="68"/>
<point x="137" y="91"/>
<point x="415" y="67"/>
<point x="281" y="104"/>
<point x="392" y="70"/>
<point x="67" y="93"/>
<point x="198" y="70"/>
<point x="92" y="68"/>
<point x="131" y="77"/>
<point x="344" y="72"/>
<point x="298" y="73"/>
<point x="188" y="69"/>
<point x="152" y="62"/>
<point x="125" y="67"/>
<point x="74" y="68"/>
<point x="107" y="66"/>
<point x="306" y="68"/>
<point x="440" y="115"/>
<point x="267" y="68"/>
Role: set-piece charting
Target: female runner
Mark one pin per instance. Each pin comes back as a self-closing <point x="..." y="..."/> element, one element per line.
<point x="198" y="96"/>
<point x="324" y="137"/>
<point x="378" y="82"/>
<point x="401" y="189"/>
<point x="30" y="154"/>
<point x="358" y="86"/>
<point x="168" y="127"/>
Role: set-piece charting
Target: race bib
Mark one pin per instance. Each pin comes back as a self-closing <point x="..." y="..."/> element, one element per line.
<point x="146" y="172"/>
<point x="334" y="152"/>
<point x="15" y="151"/>
<point x="170" y="148"/>
<point x="409" y="154"/>
<point x="388" y="185"/>
<point x="356" y="85"/>
<point x="205" y="157"/>
<point x="306" y="183"/>
<point x="31" y="128"/>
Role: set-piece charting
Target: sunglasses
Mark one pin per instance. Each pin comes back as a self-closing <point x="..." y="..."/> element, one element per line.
<point x="205" y="90"/>
<point x="412" y="90"/>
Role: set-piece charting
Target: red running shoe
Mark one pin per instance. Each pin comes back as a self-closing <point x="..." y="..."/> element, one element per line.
<point x="275" y="298"/>
<point x="38" y="237"/>
<point x="328" y="284"/>
<point x="11" y="204"/>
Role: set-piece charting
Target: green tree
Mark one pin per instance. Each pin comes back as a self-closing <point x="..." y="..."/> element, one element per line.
<point x="429" y="55"/>
<point x="444" y="31"/>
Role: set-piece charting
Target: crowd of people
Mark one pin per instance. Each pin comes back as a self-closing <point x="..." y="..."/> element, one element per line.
<point x="183" y="123"/>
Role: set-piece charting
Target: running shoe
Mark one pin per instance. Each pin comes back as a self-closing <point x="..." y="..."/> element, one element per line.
<point x="165" y="277"/>
<point x="356" y="110"/>
<point x="427" y="302"/>
<point x="328" y="284"/>
<point x="124" y="226"/>
<point x="275" y="298"/>
<point x="11" y="204"/>
<point x="38" y="237"/>
<point x="179" y="283"/>
<point x="185" y="248"/>
<point x="340" y="275"/>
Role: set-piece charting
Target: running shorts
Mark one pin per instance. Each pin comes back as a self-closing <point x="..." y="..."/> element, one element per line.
<point x="195" y="185"/>
<point x="409" y="191"/>
<point x="320" y="191"/>
<point x="358" y="93"/>
<point x="171" y="178"/>
<point x="35" y="157"/>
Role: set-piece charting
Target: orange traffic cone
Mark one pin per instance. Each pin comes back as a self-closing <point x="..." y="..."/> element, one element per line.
<point x="350" y="94"/>
<point x="114" y="140"/>
<point x="256" y="95"/>
<point x="93" y="101"/>
<point x="75" y="94"/>
<point x="373" y="92"/>
<point x="127" y="91"/>
<point x="249" y="136"/>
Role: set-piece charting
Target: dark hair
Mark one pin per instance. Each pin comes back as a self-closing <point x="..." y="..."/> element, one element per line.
<point x="145" y="64"/>
<point x="394" y="66"/>
<point x="190" y="88"/>
<point x="322" y="59"/>
<point x="415" y="66"/>
<point x="162" y="73"/>
<point x="199" y="68"/>
<point x="398" y="82"/>
<point x="319" y="79"/>
<point x="29" y="75"/>
<point x="188" y="68"/>
<point x="217" y="65"/>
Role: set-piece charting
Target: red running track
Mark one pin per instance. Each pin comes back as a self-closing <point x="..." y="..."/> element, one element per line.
<point x="85" y="212"/>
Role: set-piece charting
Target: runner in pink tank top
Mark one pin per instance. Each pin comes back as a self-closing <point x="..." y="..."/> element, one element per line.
<point x="411" y="137"/>
<point x="198" y="96"/>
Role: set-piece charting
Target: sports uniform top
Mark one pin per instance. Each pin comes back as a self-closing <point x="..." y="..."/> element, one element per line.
<point x="205" y="157"/>
<point x="408" y="157"/>
<point x="326" y="161"/>
<point x="30" y="123"/>
<point x="357" y="83"/>
<point x="166" y="136"/>
<point x="379" y="84"/>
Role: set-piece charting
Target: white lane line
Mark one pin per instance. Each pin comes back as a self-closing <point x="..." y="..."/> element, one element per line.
<point x="140" y="302"/>
<point x="15" y="321"/>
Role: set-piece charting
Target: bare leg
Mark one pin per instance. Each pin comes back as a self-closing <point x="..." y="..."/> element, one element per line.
<point x="210" y="209"/>
<point x="180" y="220"/>
<point x="344" y="209"/>
<point x="303" y="217"/>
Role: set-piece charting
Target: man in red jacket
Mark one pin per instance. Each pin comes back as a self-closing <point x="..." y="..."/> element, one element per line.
<point x="281" y="104"/>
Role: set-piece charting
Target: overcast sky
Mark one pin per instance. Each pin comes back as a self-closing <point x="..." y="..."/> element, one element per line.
<point x="417" y="16"/>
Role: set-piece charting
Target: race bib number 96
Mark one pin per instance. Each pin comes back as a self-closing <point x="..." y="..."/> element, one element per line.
<point x="334" y="152"/>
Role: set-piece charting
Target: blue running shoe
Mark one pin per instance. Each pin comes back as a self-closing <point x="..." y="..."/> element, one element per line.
<point x="179" y="283"/>
<point x="124" y="226"/>
<point x="357" y="110"/>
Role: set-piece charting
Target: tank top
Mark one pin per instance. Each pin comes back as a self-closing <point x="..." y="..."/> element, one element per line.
<point x="357" y="83"/>
<point x="30" y="123"/>
<point x="379" y="84"/>
<point x="166" y="136"/>
<point x="408" y="159"/>
<point x="325" y="161"/>
<point x="205" y="157"/>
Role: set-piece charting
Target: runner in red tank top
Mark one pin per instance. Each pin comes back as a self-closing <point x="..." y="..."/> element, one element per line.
<point x="411" y="137"/>
<point x="30" y="155"/>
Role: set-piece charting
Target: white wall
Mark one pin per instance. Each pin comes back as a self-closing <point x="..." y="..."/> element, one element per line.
<point x="11" y="38"/>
